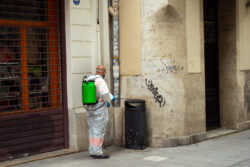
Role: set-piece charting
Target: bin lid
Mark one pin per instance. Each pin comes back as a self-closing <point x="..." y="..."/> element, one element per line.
<point x="135" y="105"/>
<point x="135" y="101"/>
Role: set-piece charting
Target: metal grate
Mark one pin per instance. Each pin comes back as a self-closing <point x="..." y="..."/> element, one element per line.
<point x="30" y="65"/>
<point x="24" y="10"/>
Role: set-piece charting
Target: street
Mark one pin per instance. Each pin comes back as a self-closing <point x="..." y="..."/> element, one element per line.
<point x="227" y="151"/>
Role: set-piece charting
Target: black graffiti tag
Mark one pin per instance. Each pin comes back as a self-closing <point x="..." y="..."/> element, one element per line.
<point x="154" y="90"/>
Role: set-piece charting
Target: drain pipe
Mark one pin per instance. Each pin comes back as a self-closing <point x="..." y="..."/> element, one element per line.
<point x="98" y="33"/>
<point x="113" y="10"/>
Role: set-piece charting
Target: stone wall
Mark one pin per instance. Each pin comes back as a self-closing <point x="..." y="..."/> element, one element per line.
<point x="175" y="108"/>
<point x="229" y="102"/>
<point x="83" y="55"/>
<point x="243" y="63"/>
<point x="234" y="79"/>
<point x="247" y="93"/>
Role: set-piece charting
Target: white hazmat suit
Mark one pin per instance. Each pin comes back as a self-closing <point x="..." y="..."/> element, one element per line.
<point x="97" y="115"/>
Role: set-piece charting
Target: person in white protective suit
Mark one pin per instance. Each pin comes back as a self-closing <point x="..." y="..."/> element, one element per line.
<point x="97" y="114"/>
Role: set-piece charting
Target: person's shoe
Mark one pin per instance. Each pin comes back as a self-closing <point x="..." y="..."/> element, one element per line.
<point x="93" y="156"/>
<point x="105" y="156"/>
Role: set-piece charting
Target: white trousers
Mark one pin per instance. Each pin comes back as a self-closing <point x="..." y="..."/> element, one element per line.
<point x="97" y="122"/>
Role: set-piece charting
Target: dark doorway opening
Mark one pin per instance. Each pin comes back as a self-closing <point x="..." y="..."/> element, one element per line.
<point x="211" y="64"/>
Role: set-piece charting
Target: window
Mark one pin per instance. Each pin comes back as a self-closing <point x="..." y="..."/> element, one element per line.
<point x="30" y="69"/>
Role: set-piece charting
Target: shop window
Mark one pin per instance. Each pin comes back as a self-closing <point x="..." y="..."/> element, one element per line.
<point x="24" y="10"/>
<point x="9" y="69"/>
<point x="30" y="76"/>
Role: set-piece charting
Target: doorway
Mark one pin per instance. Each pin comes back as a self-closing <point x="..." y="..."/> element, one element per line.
<point x="211" y="64"/>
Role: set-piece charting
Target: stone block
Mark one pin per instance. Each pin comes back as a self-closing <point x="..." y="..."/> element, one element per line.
<point x="164" y="49"/>
<point x="81" y="49"/>
<point x="82" y="129"/>
<point x="82" y="33"/>
<point x="81" y="65"/>
<point x="84" y="4"/>
<point x="81" y="17"/>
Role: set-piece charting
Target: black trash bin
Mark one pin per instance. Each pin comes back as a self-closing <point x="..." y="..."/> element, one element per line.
<point x="135" y="124"/>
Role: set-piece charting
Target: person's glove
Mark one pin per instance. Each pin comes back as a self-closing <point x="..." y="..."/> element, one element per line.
<point x="113" y="99"/>
<point x="108" y="104"/>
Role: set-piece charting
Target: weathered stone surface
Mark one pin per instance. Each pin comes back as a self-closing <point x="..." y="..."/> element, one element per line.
<point x="82" y="129"/>
<point x="229" y="103"/>
<point x="180" y="117"/>
<point x="164" y="75"/>
<point x="247" y="94"/>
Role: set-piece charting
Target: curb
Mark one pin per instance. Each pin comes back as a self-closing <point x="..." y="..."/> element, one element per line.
<point x="37" y="157"/>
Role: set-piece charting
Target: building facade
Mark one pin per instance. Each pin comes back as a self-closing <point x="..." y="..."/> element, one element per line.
<point x="192" y="69"/>
<point x="189" y="60"/>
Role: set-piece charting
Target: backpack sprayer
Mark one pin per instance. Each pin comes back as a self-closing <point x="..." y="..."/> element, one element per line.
<point x="88" y="91"/>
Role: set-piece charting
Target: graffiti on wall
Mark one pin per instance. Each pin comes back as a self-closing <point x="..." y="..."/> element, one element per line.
<point x="171" y="67"/>
<point x="158" y="98"/>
